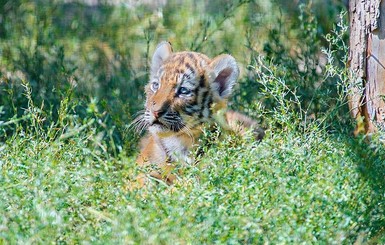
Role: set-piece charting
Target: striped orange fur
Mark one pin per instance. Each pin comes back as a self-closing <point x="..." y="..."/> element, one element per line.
<point x="186" y="90"/>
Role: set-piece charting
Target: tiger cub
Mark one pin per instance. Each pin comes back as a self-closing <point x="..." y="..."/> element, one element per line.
<point x="186" y="90"/>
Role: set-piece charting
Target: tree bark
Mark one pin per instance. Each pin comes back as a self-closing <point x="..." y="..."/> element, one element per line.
<point x="367" y="64"/>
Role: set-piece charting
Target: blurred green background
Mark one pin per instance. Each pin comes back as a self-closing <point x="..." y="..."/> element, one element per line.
<point x="97" y="52"/>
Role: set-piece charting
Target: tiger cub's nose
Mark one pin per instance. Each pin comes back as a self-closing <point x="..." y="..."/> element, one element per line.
<point x="157" y="114"/>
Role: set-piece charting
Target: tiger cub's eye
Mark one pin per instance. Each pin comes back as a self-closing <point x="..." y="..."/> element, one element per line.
<point x="184" y="91"/>
<point x="154" y="86"/>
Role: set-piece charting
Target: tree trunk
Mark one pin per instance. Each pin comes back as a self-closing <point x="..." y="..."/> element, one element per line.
<point x="367" y="64"/>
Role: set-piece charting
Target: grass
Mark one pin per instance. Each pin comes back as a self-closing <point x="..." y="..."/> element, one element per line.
<point x="293" y="187"/>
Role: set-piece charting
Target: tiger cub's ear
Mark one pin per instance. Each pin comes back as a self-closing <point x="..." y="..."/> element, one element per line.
<point x="162" y="52"/>
<point x="224" y="75"/>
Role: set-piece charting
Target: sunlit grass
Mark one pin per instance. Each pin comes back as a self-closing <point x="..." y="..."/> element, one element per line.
<point x="292" y="187"/>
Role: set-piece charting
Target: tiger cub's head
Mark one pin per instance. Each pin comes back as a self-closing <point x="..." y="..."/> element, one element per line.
<point x="186" y="88"/>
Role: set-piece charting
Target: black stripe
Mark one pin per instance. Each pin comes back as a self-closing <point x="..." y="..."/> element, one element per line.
<point x="181" y="60"/>
<point x="208" y="105"/>
<point x="201" y="84"/>
<point x="190" y="55"/>
<point x="202" y="81"/>
<point x="189" y="110"/>
<point x="204" y="102"/>
<point x="188" y="66"/>
<point x="193" y="58"/>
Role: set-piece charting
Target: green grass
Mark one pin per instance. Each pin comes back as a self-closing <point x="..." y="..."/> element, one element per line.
<point x="293" y="187"/>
